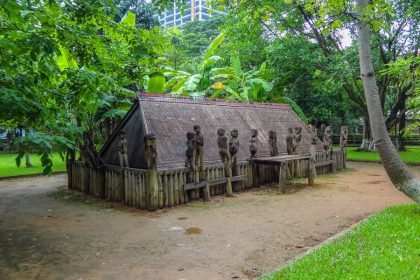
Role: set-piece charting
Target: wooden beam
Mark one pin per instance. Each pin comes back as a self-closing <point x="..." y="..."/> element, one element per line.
<point x="213" y="182"/>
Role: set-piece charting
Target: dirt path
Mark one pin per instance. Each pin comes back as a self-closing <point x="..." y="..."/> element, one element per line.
<point x="46" y="234"/>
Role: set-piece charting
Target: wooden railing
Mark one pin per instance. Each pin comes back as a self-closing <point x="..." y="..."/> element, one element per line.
<point x="130" y="186"/>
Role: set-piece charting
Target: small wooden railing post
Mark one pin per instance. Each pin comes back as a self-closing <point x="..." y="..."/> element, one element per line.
<point x="152" y="189"/>
<point x="228" y="172"/>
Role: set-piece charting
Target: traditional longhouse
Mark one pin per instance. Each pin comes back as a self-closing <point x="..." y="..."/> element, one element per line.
<point x="156" y="176"/>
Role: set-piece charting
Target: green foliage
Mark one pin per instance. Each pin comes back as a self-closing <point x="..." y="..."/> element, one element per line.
<point x="196" y="37"/>
<point x="407" y="72"/>
<point x="197" y="83"/>
<point x="386" y="246"/>
<point x="156" y="82"/>
<point x="66" y="64"/>
<point x="234" y="83"/>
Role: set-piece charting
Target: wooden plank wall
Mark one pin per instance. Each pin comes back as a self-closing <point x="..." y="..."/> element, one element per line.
<point x="129" y="185"/>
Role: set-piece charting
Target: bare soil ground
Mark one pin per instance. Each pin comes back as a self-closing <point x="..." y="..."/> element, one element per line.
<point x="48" y="233"/>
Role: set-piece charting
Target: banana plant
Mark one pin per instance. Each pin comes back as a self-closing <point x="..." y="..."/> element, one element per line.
<point x="234" y="83"/>
<point x="197" y="84"/>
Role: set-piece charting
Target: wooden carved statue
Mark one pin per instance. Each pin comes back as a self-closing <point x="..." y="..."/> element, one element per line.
<point x="234" y="148"/>
<point x="289" y="141"/>
<point x="253" y="145"/>
<point x="199" y="151"/>
<point x="296" y="139"/>
<point x="90" y="154"/>
<point x="123" y="149"/>
<point x="190" y="153"/>
<point x="314" y="141"/>
<point x="222" y="142"/>
<point x="343" y="137"/>
<point x="272" y="142"/>
<point x="150" y="151"/>
<point x="321" y="133"/>
<point x="327" y="141"/>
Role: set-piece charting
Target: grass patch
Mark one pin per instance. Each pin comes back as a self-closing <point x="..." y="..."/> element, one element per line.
<point x="386" y="246"/>
<point x="411" y="155"/>
<point x="8" y="165"/>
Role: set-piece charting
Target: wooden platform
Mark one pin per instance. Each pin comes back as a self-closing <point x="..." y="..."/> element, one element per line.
<point x="288" y="163"/>
<point x="277" y="160"/>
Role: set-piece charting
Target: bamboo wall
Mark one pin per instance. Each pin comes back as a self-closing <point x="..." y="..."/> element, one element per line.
<point x="129" y="185"/>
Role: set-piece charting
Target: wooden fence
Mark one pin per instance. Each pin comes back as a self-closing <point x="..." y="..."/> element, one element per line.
<point x="130" y="186"/>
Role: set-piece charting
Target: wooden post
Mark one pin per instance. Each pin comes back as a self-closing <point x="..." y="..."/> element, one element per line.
<point x="152" y="190"/>
<point x="121" y="188"/>
<point x="160" y="191"/>
<point x="69" y="165"/>
<point x="334" y="164"/>
<point x="100" y="182"/>
<point x="171" y="189"/>
<point x="344" y="156"/>
<point x="228" y="172"/>
<point x="282" y="177"/>
<point x="311" y="172"/>
<point x="185" y="179"/>
<point x="206" y="192"/>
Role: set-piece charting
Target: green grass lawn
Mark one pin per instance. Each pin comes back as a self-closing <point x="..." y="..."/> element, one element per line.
<point x="412" y="155"/>
<point x="386" y="246"/>
<point x="8" y="165"/>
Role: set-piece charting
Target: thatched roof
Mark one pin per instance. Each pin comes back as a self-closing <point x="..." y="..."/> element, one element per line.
<point x="170" y="118"/>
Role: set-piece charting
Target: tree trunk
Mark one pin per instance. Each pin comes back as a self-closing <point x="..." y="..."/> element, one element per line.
<point x="397" y="170"/>
<point x="28" y="160"/>
<point x="366" y="134"/>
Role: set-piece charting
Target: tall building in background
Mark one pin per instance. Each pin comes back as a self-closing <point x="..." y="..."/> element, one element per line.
<point x="196" y="10"/>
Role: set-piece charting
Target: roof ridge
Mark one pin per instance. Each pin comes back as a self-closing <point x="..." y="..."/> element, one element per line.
<point x="173" y="98"/>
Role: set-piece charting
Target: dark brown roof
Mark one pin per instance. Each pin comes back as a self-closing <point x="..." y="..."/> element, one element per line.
<point x="170" y="119"/>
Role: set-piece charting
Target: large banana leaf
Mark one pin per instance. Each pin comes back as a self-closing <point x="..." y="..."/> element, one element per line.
<point x="213" y="46"/>
<point x="65" y="60"/>
<point x="129" y="19"/>
<point x="156" y="82"/>
<point x="267" y="86"/>
<point x="192" y="82"/>
<point x="236" y="65"/>
<point x="206" y="63"/>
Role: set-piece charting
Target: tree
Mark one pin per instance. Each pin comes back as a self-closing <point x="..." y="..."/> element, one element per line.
<point x="308" y="19"/>
<point x="396" y="169"/>
<point x="67" y="65"/>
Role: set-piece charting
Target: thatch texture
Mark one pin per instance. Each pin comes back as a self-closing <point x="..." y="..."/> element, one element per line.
<point x="170" y="119"/>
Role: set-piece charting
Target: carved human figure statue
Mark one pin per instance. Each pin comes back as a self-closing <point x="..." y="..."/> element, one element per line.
<point x="190" y="153"/>
<point x="222" y="142"/>
<point x="296" y="139"/>
<point x="199" y="151"/>
<point x="253" y="146"/>
<point x="344" y="134"/>
<point x="123" y="149"/>
<point x="314" y="141"/>
<point x="234" y="147"/>
<point x="327" y="141"/>
<point x="321" y="135"/>
<point x="272" y="142"/>
<point x="150" y="151"/>
<point x="289" y="141"/>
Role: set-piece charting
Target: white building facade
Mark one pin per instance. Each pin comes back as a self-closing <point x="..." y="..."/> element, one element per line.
<point x="196" y="10"/>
